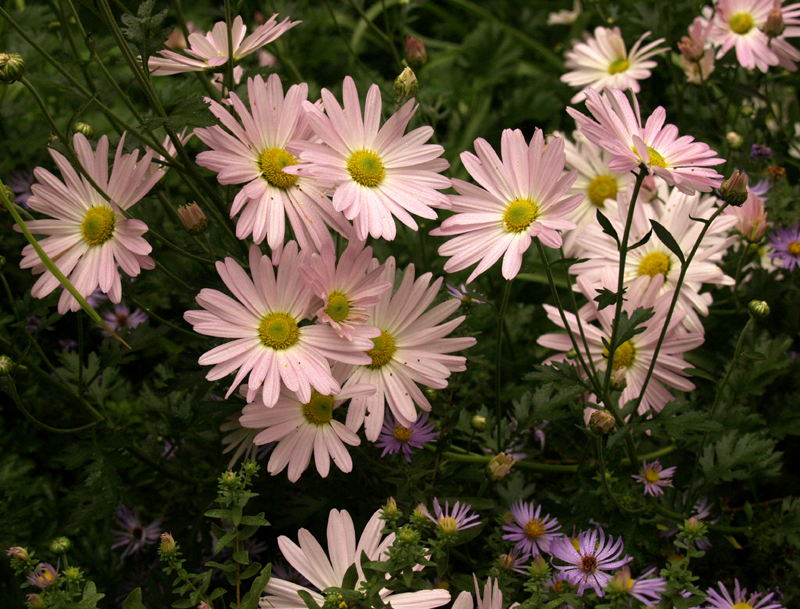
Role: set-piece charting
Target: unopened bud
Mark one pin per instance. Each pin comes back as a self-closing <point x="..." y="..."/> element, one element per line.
<point x="619" y="379"/>
<point x="193" y="218"/>
<point x="168" y="545"/>
<point x="4" y="57"/>
<point x="84" y="128"/>
<point x="734" y="190"/>
<point x="406" y="85"/>
<point x="774" y="25"/>
<point x="415" y="52"/>
<point x="60" y="545"/>
<point x="430" y="393"/>
<point x="35" y="601"/>
<point x="735" y="140"/>
<point x="693" y="525"/>
<point x="6" y="367"/>
<point x="692" y="50"/>
<point x="229" y="478"/>
<point x="13" y="69"/>
<point x="390" y="512"/>
<point x="621" y="582"/>
<point x="602" y="420"/>
<point x="539" y="569"/>
<point x="251" y="468"/>
<point x="478" y="423"/>
<point x="17" y="552"/>
<point x="499" y="466"/>
<point x="418" y="516"/>
<point x="758" y="309"/>
<point x="73" y="574"/>
<point x="407" y="536"/>
<point x="572" y="354"/>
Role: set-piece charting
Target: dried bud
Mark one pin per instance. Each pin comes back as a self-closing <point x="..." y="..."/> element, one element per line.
<point x="60" y="545"/>
<point x="390" y="512"/>
<point x="6" y="367"/>
<point x="478" y="423"/>
<point x="758" y="309"/>
<point x="13" y="69"/>
<point x="774" y="25"/>
<point x="602" y="420"/>
<point x="692" y="50"/>
<point x="499" y="466"/>
<point x="168" y="545"/>
<point x="734" y="190"/>
<point x="17" y="552"/>
<point x="406" y="85"/>
<point x="416" y="55"/>
<point x="84" y="128"/>
<point x="193" y="218"/>
<point x="776" y="173"/>
<point x="735" y="140"/>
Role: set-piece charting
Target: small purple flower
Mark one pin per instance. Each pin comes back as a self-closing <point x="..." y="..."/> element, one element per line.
<point x="451" y="522"/>
<point x="645" y="589"/>
<point x="531" y="533"/>
<point x="134" y="536"/>
<point x="96" y="298"/>
<point x="44" y="575"/>
<point x="760" y="152"/>
<point x="654" y="477"/>
<point x="467" y="297"/>
<point x="588" y="558"/>
<point x="17" y="552"/>
<point x="33" y="323"/>
<point x="395" y="438"/>
<point x="20" y="184"/>
<point x="723" y="600"/>
<point x="761" y="188"/>
<point x="786" y="245"/>
<point x="513" y="561"/>
<point x="123" y="319"/>
<point x="67" y="344"/>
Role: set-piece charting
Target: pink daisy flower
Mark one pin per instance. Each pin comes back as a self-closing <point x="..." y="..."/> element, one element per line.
<point x="254" y="153"/>
<point x="377" y="173"/>
<point x="270" y="344"/>
<point x="522" y="197"/>
<point x="411" y="349"/>
<point x="588" y="559"/>
<point x="751" y="218"/>
<point x="492" y="596"/>
<point x="88" y="238"/>
<point x="654" y="477"/>
<point x="680" y="161"/>
<point x="740" y="599"/>
<point x="531" y="532"/>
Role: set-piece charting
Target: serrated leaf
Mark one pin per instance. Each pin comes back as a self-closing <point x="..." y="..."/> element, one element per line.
<point x="630" y="326"/>
<point x="605" y="298"/>
<point x="737" y="457"/>
<point x="557" y="372"/>
<point x="667" y="239"/>
<point x="607" y="227"/>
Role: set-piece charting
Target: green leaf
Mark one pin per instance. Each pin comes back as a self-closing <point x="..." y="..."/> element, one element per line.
<point x="251" y="599"/>
<point x="629" y="326"/>
<point x="185" y="603"/>
<point x="606" y="298"/>
<point x="557" y="372"/>
<point x="90" y="595"/>
<point x="350" y="578"/>
<point x="225" y="540"/>
<point x="242" y="557"/>
<point x="250" y="571"/>
<point x="737" y="457"/>
<point x="134" y="600"/>
<point x="236" y="515"/>
<point x="257" y="521"/>
<point x="667" y="239"/>
<point x="642" y="241"/>
<point x="607" y="227"/>
<point x="217" y="513"/>
<point x="215" y="594"/>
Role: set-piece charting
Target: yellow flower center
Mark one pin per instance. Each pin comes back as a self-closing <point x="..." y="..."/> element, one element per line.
<point x="366" y="168"/>
<point x="448" y="524"/>
<point x="620" y="65"/>
<point x="402" y="433"/>
<point x="519" y="215"/>
<point x="742" y="605"/>
<point x="382" y="351"/>
<point x="656" y="160"/>
<point x="319" y="411"/>
<point x="794" y="248"/>
<point x="278" y="331"/>
<point x="575" y="544"/>
<point x="623" y="355"/>
<point x="741" y="23"/>
<point x="602" y="188"/>
<point x="271" y="163"/>
<point x="651" y="476"/>
<point x="655" y="263"/>
<point x="338" y="306"/>
<point x="98" y="225"/>
<point x="534" y="529"/>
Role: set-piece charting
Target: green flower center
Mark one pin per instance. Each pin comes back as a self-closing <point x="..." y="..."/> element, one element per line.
<point x="655" y="263"/>
<point x="271" y="163"/>
<point x="402" y="433"/>
<point x="651" y="476"/>
<point x="620" y="65"/>
<point x="278" y="331"/>
<point x="623" y="355"/>
<point x="602" y="188"/>
<point x="519" y="215"/>
<point x="366" y="168"/>
<point x="319" y="411"/>
<point x="741" y="23"/>
<point x="338" y="306"/>
<point x="794" y="248"/>
<point x="382" y="351"/>
<point x="98" y="225"/>
<point x="534" y="529"/>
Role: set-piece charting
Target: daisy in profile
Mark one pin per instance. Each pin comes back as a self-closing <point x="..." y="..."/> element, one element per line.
<point x="520" y="197"/>
<point x="740" y="599"/>
<point x="751" y="218"/>
<point x="254" y="152"/>
<point x="379" y="174"/>
<point x="618" y="128"/>
<point x="654" y="477"/>
<point x="452" y="521"/>
<point x="531" y="532"/>
<point x="396" y="438"/>
<point x="644" y="589"/>
<point x="492" y="596"/>
<point x="88" y="237"/>
<point x="328" y="570"/>
<point x="785" y="242"/>
<point x="603" y="62"/>
<point x="210" y="51"/>
<point x="589" y="559"/>
<point x="269" y="343"/>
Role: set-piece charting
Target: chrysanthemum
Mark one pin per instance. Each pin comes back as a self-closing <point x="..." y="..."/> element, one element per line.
<point x="255" y="153"/>
<point x="680" y="161"/>
<point x="521" y="196"/>
<point x="452" y="521"/>
<point x="210" y="51"/>
<point x="751" y="218"/>
<point x="323" y="572"/>
<point x="239" y="441"/>
<point x="347" y="288"/>
<point x="133" y="535"/>
<point x="603" y="62"/>
<point x="740" y="599"/>
<point x="378" y="173"/>
<point x="395" y="437"/>
<point x="121" y="318"/>
<point x="305" y="428"/>
<point x="645" y="589"/>
<point x="88" y="237"/>
<point x="654" y="477"/>
<point x="492" y="596"/>
<point x="531" y="532"/>
<point x="786" y="245"/>
<point x="270" y="344"/>
<point x="412" y="348"/>
<point x="588" y="562"/>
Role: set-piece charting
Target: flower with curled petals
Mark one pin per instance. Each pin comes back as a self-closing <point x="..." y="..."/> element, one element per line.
<point x="588" y="559"/>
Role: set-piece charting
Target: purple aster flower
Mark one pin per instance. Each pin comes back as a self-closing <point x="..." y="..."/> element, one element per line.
<point x="645" y="589"/>
<point x="701" y="511"/>
<point x="451" y="522"/>
<point x="531" y="533"/>
<point x="394" y="437"/>
<point x="654" y="477"/>
<point x="786" y="245"/>
<point x="18" y="553"/>
<point x="44" y="575"/>
<point x="588" y="558"/>
<point x="123" y="319"/>
<point x="723" y="600"/>
<point x="513" y="561"/>
<point x="96" y="298"/>
<point x="33" y="323"/>
<point x="761" y="188"/>
<point x="134" y="536"/>
<point x="466" y="296"/>
<point x="67" y="344"/>
<point x="20" y="184"/>
<point x="760" y="152"/>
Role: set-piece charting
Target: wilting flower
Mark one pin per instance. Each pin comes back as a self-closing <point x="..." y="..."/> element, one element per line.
<point x="452" y="521"/>
<point x="654" y="477"/>
<point x="531" y="532"/>
<point x="395" y="437"/>
<point x="134" y="536"/>
<point x="43" y="575"/>
<point x="740" y="599"/>
<point x="786" y="245"/>
<point x="697" y="56"/>
<point x="589" y="559"/>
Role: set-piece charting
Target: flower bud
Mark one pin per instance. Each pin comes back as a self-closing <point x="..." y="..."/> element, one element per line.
<point x="229" y="478"/>
<point x="619" y="379"/>
<point x="735" y="140"/>
<point x="193" y="219"/>
<point x="390" y="512"/>
<point x="622" y="581"/>
<point x="478" y="423"/>
<point x="758" y="309"/>
<point x="60" y="545"/>
<point x="17" y="552"/>
<point x="693" y="526"/>
<point x="415" y="52"/>
<point x="692" y="50"/>
<point x="13" y="69"/>
<point x="734" y="190"/>
<point x="43" y="575"/>
<point x="418" y="516"/>
<point x="539" y="569"/>
<point x="168" y="545"/>
<point x="84" y="128"/>
<point x="35" y="602"/>
<point x="774" y="25"/>
<point x="602" y="421"/>
<point x="6" y="367"/>
<point x="73" y="574"/>
<point x="406" y="85"/>
<point x="499" y="466"/>
<point x="430" y="393"/>
<point x="251" y="468"/>
<point x="572" y="354"/>
<point x="407" y="536"/>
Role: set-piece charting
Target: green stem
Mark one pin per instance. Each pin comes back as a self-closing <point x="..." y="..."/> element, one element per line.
<point x="498" y="361"/>
<point x="381" y="34"/>
<point x="601" y="463"/>
<point x="18" y="401"/>
<point x="577" y="317"/>
<point x="159" y="318"/>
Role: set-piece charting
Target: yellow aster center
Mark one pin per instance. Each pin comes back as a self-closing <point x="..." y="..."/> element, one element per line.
<point x="602" y="188"/>
<point x="620" y="65"/>
<point x="623" y="355"/>
<point x="278" y="331"/>
<point x="338" y="306"/>
<point x="382" y="351"/>
<point x="448" y="524"/>
<point x="575" y="544"/>
<point x="534" y="529"/>
<point x="98" y="225"/>
<point x="655" y="263"/>
<point x="656" y="160"/>
<point x="402" y="433"/>
<point x="366" y="168"/>
<point x="651" y="476"/>
<point x="319" y="411"/>
<point x="742" y="605"/>
<point x="794" y="248"/>
<point x="741" y="23"/>
<point x="519" y="215"/>
<point x="271" y="163"/>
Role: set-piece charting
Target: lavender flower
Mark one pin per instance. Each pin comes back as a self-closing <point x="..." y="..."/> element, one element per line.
<point x="123" y="319"/>
<point x="451" y="522"/>
<point x="395" y="438"/>
<point x="760" y="152"/>
<point x="466" y="296"/>
<point x="761" y="188"/>
<point x="786" y="245"/>
<point x="20" y="184"/>
<point x="645" y="589"/>
<point x="532" y="533"/>
<point x="44" y="575"/>
<point x="513" y="561"/>
<point x="134" y="536"/>
<point x="723" y="600"/>
<point x="588" y="558"/>
<point x="654" y="478"/>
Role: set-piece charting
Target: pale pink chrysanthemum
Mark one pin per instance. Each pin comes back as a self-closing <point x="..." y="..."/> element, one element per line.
<point x="254" y="153"/>
<point x="492" y="596"/>
<point x="520" y="197"/>
<point x="88" y="237"/>
<point x="305" y="428"/>
<point x="603" y="62"/>
<point x="210" y="51"/>
<point x="328" y="570"/>
<point x="412" y="348"/>
<point x="346" y="288"/>
<point x="264" y="319"/>
<point x="377" y="173"/>
<point x="751" y="218"/>
<point x="680" y="161"/>
<point x="697" y="53"/>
